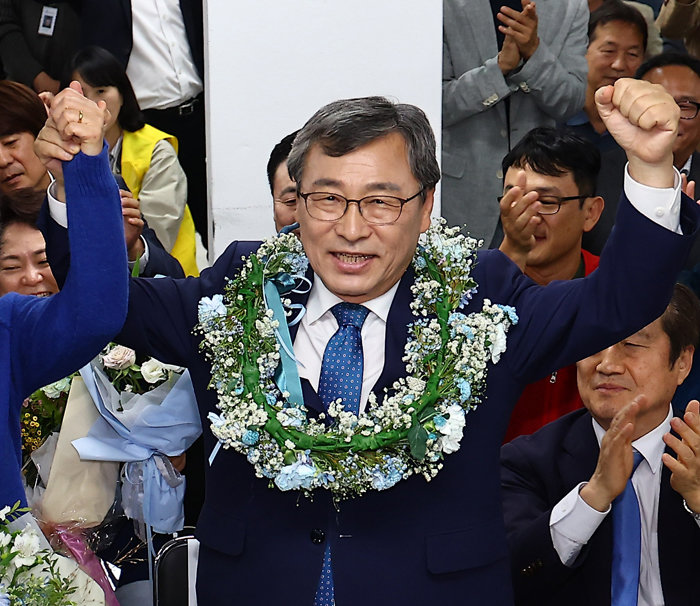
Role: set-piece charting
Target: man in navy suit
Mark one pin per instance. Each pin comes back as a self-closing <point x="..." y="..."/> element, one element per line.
<point x="560" y="482"/>
<point x="444" y="541"/>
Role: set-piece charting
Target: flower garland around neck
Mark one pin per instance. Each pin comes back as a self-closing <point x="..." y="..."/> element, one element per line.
<point x="418" y="421"/>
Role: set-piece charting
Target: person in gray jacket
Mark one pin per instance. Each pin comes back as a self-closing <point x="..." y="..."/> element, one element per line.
<point x="494" y="92"/>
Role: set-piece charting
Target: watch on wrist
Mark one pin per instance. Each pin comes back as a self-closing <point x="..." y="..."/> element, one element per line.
<point x="695" y="515"/>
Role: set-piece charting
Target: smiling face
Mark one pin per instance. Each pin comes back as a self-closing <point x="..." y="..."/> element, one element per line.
<point x="683" y="84"/>
<point x="20" y="167"/>
<point x="615" y="51"/>
<point x="358" y="261"/>
<point x="557" y="251"/>
<point x="610" y="379"/>
<point x="23" y="265"/>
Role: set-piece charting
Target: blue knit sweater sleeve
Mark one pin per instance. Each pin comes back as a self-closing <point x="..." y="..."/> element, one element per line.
<point x="52" y="337"/>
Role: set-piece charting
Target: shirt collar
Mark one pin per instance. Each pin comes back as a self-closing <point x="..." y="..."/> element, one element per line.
<point x="650" y="445"/>
<point x="688" y="163"/>
<point x="321" y="300"/>
<point x="115" y="151"/>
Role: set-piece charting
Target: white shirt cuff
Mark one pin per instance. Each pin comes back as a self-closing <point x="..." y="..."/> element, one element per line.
<point x="660" y="204"/>
<point x="143" y="259"/>
<point x="57" y="209"/>
<point x="58" y="213"/>
<point x="572" y="523"/>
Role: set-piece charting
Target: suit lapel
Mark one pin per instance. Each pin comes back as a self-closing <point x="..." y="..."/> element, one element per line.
<point x="695" y="173"/>
<point x="399" y="318"/>
<point x="578" y="462"/>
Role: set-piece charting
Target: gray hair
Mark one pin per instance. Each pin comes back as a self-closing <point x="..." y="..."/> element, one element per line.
<point x="346" y="125"/>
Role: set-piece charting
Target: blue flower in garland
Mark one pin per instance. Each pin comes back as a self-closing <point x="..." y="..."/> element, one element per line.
<point x="465" y="389"/>
<point x="298" y="263"/>
<point x="299" y="474"/>
<point x="467" y="296"/>
<point x="510" y="312"/>
<point x="250" y="437"/>
<point x="209" y="309"/>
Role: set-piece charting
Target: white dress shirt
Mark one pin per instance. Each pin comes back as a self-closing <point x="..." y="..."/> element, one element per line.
<point x="319" y="324"/>
<point x="573" y="522"/>
<point x="161" y="68"/>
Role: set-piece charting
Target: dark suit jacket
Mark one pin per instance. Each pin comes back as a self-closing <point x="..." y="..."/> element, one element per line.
<point x="439" y="542"/>
<point x="107" y="23"/>
<point x="537" y="472"/>
<point x="610" y="185"/>
<point x="160" y="261"/>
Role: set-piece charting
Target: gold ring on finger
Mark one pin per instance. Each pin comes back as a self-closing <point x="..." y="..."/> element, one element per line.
<point x="80" y="116"/>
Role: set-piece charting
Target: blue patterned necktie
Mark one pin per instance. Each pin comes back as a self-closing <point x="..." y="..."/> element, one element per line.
<point x="341" y="377"/>
<point x="341" y="369"/>
<point x="627" y="544"/>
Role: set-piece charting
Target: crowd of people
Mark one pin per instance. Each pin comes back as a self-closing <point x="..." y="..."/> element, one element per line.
<point x="357" y="376"/>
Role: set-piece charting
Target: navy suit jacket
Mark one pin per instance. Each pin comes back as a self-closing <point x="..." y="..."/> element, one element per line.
<point x="537" y="472"/>
<point x="438" y="542"/>
<point x="107" y="23"/>
<point x="160" y="261"/>
<point x="610" y="185"/>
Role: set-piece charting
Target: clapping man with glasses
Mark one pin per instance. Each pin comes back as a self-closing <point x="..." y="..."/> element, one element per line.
<point x="366" y="174"/>
<point x="562" y="168"/>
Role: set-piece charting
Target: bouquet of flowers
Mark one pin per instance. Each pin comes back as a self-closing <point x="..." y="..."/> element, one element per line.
<point x="42" y="414"/>
<point x="30" y="573"/>
<point x="147" y="413"/>
<point x="129" y="377"/>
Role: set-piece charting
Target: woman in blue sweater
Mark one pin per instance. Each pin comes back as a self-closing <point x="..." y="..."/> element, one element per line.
<point x="45" y="339"/>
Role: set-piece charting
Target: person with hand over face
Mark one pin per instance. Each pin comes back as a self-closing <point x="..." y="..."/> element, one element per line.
<point x="43" y="339"/>
<point x="507" y="68"/>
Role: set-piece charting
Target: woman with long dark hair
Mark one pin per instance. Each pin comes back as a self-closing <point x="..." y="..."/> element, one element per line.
<point x="144" y="156"/>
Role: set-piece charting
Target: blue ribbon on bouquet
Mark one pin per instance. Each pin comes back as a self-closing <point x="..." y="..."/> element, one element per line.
<point x="160" y="423"/>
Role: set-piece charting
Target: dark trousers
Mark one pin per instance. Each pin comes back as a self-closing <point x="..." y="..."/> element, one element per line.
<point x="186" y="122"/>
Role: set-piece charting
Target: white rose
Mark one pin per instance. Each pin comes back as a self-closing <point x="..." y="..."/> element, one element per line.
<point x="119" y="357"/>
<point x="154" y="370"/>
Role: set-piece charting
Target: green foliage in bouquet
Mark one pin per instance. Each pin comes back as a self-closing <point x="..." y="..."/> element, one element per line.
<point x="29" y="574"/>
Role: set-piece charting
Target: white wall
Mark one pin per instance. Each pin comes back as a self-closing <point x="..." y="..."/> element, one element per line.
<point x="273" y="63"/>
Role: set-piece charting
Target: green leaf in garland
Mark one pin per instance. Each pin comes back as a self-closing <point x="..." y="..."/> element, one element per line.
<point x="417" y="438"/>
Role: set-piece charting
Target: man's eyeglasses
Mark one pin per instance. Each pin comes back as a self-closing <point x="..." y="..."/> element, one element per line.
<point x="689" y="109"/>
<point x="377" y="210"/>
<point x="552" y="204"/>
